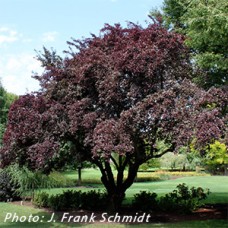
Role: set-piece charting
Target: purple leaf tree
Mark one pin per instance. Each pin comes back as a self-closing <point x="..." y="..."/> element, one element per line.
<point x="114" y="98"/>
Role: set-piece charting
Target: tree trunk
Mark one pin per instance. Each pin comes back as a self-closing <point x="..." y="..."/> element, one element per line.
<point x="79" y="175"/>
<point x="116" y="189"/>
<point x="226" y="170"/>
<point x="115" y="200"/>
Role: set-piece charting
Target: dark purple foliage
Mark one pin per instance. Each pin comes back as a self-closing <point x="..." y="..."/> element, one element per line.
<point x="114" y="98"/>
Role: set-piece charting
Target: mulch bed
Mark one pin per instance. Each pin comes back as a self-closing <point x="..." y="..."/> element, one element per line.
<point x="218" y="211"/>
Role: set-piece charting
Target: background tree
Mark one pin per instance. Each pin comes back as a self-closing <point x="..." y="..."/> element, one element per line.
<point x="217" y="158"/>
<point x="205" y="25"/>
<point x="114" y="98"/>
<point x="172" y="13"/>
<point x="6" y="99"/>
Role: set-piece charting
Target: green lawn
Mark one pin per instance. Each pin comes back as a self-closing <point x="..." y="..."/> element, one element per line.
<point x="19" y="211"/>
<point x="87" y="174"/>
<point x="94" y="176"/>
<point x="218" y="185"/>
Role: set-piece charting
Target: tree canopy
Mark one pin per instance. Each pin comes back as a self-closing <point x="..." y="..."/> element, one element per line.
<point x="112" y="100"/>
<point x="6" y="99"/>
<point x="205" y="25"/>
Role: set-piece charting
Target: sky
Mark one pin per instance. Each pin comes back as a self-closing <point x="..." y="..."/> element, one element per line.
<point x="28" y="25"/>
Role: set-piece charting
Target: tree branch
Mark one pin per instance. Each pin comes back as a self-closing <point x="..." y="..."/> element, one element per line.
<point x="132" y="172"/>
<point x="110" y="176"/>
<point x="114" y="161"/>
<point x="170" y="149"/>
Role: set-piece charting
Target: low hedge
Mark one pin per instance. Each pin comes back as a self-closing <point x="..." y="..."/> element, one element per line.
<point x="70" y="199"/>
<point x="182" y="200"/>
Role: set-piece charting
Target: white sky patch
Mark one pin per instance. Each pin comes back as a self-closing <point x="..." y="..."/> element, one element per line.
<point x="8" y="35"/>
<point x="27" y="40"/>
<point x="16" y="72"/>
<point x="49" y="36"/>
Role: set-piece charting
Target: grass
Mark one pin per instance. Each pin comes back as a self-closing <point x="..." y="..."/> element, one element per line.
<point x="218" y="185"/>
<point x="93" y="176"/>
<point x="45" y="216"/>
<point x="218" y="193"/>
<point x="19" y="211"/>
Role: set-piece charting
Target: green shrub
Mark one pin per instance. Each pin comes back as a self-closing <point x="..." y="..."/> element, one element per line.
<point x="216" y="158"/>
<point x="183" y="199"/>
<point x="8" y="189"/>
<point x="94" y="200"/>
<point x="145" y="201"/>
<point x="148" y="178"/>
<point x="29" y="181"/>
<point x="67" y="200"/>
<point x="72" y="199"/>
<point x="57" y="202"/>
<point x="152" y="163"/>
<point x="152" y="176"/>
<point x="41" y="199"/>
<point x="166" y="175"/>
